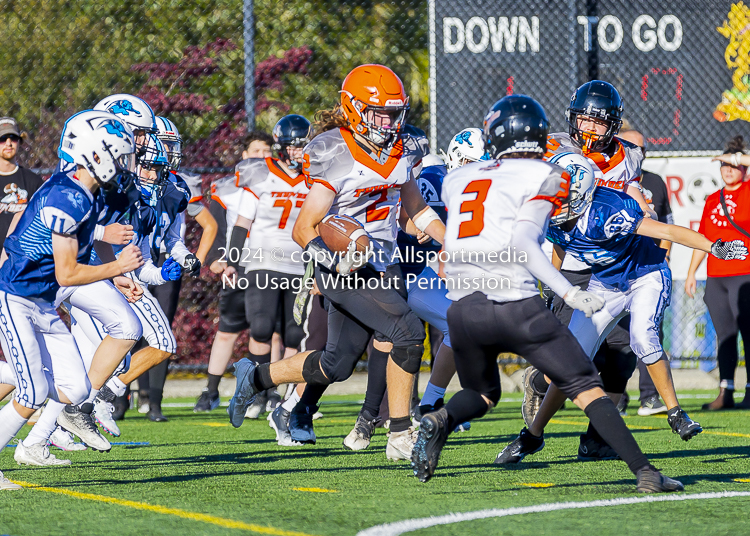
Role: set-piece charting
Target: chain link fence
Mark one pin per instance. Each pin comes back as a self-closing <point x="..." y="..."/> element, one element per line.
<point x="681" y="66"/>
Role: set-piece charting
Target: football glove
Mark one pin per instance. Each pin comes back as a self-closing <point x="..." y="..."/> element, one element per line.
<point x="729" y="251"/>
<point x="192" y="265"/>
<point x="353" y="260"/>
<point x="171" y="270"/>
<point x="584" y="301"/>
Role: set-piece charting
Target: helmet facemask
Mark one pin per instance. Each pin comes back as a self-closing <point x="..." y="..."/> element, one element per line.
<point x="153" y="170"/>
<point x="380" y="125"/>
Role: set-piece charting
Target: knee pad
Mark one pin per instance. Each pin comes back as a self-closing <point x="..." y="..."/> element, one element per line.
<point x="408" y="358"/>
<point x="311" y="370"/>
<point x="262" y="328"/>
<point x="293" y="336"/>
<point x="127" y="327"/>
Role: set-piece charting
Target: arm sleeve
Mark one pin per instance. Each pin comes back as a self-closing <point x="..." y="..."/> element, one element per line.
<point x="528" y="234"/>
<point x="149" y="273"/>
<point x="195" y="208"/>
<point x="174" y="243"/>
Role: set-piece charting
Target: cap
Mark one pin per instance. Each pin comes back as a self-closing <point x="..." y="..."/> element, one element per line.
<point x="8" y="125"/>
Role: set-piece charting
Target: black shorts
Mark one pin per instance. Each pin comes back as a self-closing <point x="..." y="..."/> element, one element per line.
<point x="271" y="295"/>
<point x="232" y="318"/>
<point x="481" y="329"/>
<point x="314" y="325"/>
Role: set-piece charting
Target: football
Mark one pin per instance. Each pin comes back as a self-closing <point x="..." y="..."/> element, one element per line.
<point x="338" y="230"/>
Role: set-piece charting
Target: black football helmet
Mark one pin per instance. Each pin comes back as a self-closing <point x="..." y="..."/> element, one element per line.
<point x="291" y="130"/>
<point x="599" y="100"/>
<point x="515" y="124"/>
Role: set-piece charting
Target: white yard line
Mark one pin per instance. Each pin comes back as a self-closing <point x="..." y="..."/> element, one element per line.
<point x="409" y="525"/>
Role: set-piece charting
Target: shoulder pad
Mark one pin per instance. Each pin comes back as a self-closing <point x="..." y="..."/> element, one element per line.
<point x="251" y="171"/>
<point x="633" y="154"/>
<point x="223" y="186"/>
<point x="194" y="184"/>
<point x="177" y="192"/>
<point x="561" y="142"/>
<point x="415" y="146"/>
<point x="327" y="157"/>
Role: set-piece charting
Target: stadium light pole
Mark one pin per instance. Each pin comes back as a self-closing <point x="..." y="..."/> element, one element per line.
<point x="248" y="33"/>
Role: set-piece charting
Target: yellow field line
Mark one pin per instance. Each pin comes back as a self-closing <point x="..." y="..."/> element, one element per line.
<point x="576" y="423"/>
<point x="534" y="484"/>
<point x="316" y="490"/>
<point x="193" y="516"/>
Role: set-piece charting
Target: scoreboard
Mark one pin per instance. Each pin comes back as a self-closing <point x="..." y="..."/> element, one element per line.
<point x="682" y="67"/>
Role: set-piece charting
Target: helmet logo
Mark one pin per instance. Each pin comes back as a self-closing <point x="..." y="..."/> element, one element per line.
<point x="115" y="127"/>
<point x="374" y="94"/>
<point x="394" y="102"/>
<point x="464" y="137"/>
<point x="576" y="171"/>
<point x="123" y="107"/>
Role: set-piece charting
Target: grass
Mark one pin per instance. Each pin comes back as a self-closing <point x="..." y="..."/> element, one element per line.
<point x="198" y="466"/>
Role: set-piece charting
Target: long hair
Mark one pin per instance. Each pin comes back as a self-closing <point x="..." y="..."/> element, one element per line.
<point x="736" y="145"/>
<point x="328" y="120"/>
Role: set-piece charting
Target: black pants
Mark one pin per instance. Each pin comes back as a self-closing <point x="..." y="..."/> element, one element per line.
<point x="270" y="295"/>
<point x="356" y="314"/>
<point x="615" y="360"/>
<point x="728" y="302"/>
<point x="481" y="329"/>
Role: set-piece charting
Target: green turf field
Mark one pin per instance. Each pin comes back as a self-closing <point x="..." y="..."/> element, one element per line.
<point x="198" y="475"/>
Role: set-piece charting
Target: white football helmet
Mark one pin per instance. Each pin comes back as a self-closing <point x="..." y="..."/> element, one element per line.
<point x="101" y="143"/>
<point x="133" y="110"/>
<point x="169" y="135"/>
<point x="466" y="146"/>
<point x="582" y="185"/>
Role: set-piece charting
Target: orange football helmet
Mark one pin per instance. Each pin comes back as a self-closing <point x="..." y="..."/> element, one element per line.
<point x="374" y="90"/>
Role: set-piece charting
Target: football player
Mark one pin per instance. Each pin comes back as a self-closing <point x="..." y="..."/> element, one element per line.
<point x="465" y="147"/>
<point x="42" y="253"/>
<point x="361" y="167"/>
<point x="506" y="314"/>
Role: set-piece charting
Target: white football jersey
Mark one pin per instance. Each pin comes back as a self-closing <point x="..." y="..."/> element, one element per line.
<point x="366" y="189"/>
<point x="483" y="200"/>
<point x="271" y="200"/>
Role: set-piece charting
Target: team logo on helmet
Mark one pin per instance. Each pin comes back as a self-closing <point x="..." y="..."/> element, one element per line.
<point x="124" y="107"/>
<point x="115" y="127"/>
<point x="464" y="136"/>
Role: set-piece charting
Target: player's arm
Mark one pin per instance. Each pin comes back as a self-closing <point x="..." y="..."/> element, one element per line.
<point x="11" y="228"/>
<point x="558" y="256"/>
<point x="116" y="233"/>
<point x="240" y="231"/>
<point x="175" y="246"/>
<point x="316" y="206"/>
<point x="69" y="272"/>
<point x="674" y="233"/>
<point x="691" y="284"/>
<point x="424" y="217"/>
<point x="210" y="229"/>
<point x="635" y="192"/>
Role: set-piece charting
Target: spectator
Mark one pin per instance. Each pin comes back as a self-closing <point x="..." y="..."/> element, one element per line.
<point x="728" y="285"/>
<point x="18" y="183"/>
<point x="655" y="193"/>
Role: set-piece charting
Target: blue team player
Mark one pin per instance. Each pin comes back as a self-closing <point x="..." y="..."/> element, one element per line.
<point x="611" y="234"/>
<point x="49" y="247"/>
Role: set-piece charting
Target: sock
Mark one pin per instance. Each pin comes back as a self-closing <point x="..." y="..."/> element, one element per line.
<point x="432" y="393"/>
<point x="465" y="405"/>
<point x="262" y="377"/>
<point x="290" y="402"/>
<point x="399" y="424"/>
<point x="45" y="425"/>
<point x="593" y="434"/>
<point x="157" y="377"/>
<point x="606" y="419"/>
<point x="727" y="384"/>
<point x="377" y="364"/>
<point x="261" y="359"/>
<point x="116" y="386"/>
<point x="310" y="398"/>
<point x="92" y="395"/>
<point x="540" y="384"/>
<point x="10" y="424"/>
<point x="213" y="384"/>
<point x="6" y="374"/>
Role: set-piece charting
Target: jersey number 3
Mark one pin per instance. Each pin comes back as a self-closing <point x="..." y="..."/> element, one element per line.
<point x="475" y="206"/>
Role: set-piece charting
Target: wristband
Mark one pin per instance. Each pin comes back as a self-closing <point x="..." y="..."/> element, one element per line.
<point x="736" y="159"/>
<point x="425" y="218"/>
<point x="99" y="232"/>
<point x="320" y="253"/>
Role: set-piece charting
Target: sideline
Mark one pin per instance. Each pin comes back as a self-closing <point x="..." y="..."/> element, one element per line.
<point x="193" y="516"/>
<point x="409" y="525"/>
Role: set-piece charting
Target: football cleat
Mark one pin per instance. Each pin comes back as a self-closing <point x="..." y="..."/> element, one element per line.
<point x="78" y="420"/>
<point x="433" y="433"/>
<point x="590" y="449"/>
<point x="649" y="480"/>
<point x="359" y="437"/>
<point x="652" y="406"/>
<point x="682" y="424"/>
<point x="258" y="407"/>
<point x="155" y="415"/>
<point x="206" y="402"/>
<point x="37" y="454"/>
<point x="424" y="409"/>
<point x="7" y="484"/>
<point x="244" y="393"/>
<point x="522" y="446"/>
<point x="103" y="410"/>
<point x="64" y="440"/>
<point x="622" y="405"/>
<point x="274" y="400"/>
<point x="401" y="444"/>
<point x="301" y="426"/>
<point x="279" y="421"/>
<point x="532" y="398"/>
<point x="121" y="404"/>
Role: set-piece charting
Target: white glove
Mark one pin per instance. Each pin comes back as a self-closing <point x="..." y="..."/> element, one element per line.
<point x="588" y="302"/>
<point x="353" y="260"/>
<point x="729" y="251"/>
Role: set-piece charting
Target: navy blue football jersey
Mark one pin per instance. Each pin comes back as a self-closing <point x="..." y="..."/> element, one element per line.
<point x="63" y="206"/>
<point x="412" y="252"/>
<point x="174" y="200"/>
<point x="604" y="238"/>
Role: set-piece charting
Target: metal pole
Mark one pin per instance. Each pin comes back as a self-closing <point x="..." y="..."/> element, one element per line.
<point x="249" y="38"/>
<point x="593" y="54"/>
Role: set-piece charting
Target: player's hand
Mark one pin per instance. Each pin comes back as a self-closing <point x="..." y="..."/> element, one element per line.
<point x="691" y="285"/>
<point x="130" y="259"/>
<point x="218" y="267"/>
<point x="118" y="234"/>
<point x="192" y="265"/>
<point x="423" y="237"/>
<point x="129" y="288"/>
<point x="584" y="301"/>
<point x="353" y="260"/>
<point x="729" y="251"/>
<point x="315" y="291"/>
<point x="171" y="270"/>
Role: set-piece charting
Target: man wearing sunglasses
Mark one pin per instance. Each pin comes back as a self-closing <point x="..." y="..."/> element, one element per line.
<point x="18" y="184"/>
